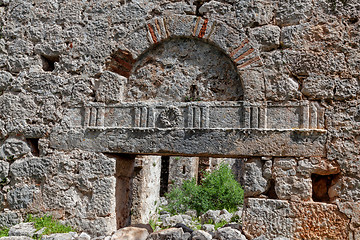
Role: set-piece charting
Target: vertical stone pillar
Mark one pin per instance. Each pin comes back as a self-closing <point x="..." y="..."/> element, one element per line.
<point x="146" y="188"/>
<point x="124" y="174"/>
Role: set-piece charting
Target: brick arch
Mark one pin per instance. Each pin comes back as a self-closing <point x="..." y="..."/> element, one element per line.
<point x="232" y="42"/>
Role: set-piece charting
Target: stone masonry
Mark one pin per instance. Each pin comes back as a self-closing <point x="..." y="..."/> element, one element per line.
<point x="93" y="93"/>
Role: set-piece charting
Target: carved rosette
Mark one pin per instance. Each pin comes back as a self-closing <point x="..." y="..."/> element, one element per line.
<point x="170" y="117"/>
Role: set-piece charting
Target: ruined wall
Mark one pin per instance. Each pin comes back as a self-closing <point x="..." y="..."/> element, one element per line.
<point x="58" y="55"/>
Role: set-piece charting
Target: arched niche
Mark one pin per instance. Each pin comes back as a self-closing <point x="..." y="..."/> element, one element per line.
<point x="184" y="58"/>
<point x="183" y="69"/>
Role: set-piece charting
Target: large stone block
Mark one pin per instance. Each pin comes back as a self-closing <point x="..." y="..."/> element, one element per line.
<point x="227" y="142"/>
<point x="8" y="218"/>
<point x="34" y="168"/>
<point x="254" y="182"/>
<point x="21" y="197"/>
<point x="294" y="220"/>
<point x="13" y="148"/>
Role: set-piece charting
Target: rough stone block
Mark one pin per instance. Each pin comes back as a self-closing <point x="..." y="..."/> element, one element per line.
<point x="292" y="12"/>
<point x="8" y="219"/>
<point x="130" y="233"/>
<point x="293" y="220"/>
<point x="110" y="88"/>
<point x="23" y="229"/>
<point x="21" y="197"/>
<point x="4" y="169"/>
<point x="254" y="182"/>
<point x="267" y="36"/>
<point x="35" y="168"/>
<point x="13" y="148"/>
<point x="170" y="233"/>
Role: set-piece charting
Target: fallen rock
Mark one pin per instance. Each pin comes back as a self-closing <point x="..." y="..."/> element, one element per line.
<point x="83" y="236"/>
<point x="229" y="233"/>
<point x="201" y="235"/>
<point x="236" y="226"/>
<point x="130" y="233"/>
<point x="60" y="236"/>
<point x="208" y="227"/>
<point x="186" y="236"/>
<point x="146" y="226"/>
<point x="167" y="234"/>
<point x="16" y="238"/>
<point x="172" y="221"/>
<point x="184" y="227"/>
<point x="23" y="229"/>
<point x="224" y="216"/>
<point x="210" y="216"/>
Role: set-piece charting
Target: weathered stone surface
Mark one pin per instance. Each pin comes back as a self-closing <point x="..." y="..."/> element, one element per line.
<point x="210" y="216"/>
<point x="267" y="36"/>
<point x="23" y="229"/>
<point x="293" y="220"/>
<point x="4" y="169"/>
<point x="172" y="221"/>
<point x="181" y="169"/>
<point x="110" y="88"/>
<point x="201" y="235"/>
<point x="16" y="238"/>
<point x="351" y="210"/>
<point x="21" y="197"/>
<point x="35" y="168"/>
<point x="54" y="59"/>
<point x="293" y="12"/>
<point x="8" y="219"/>
<point x="229" y="233"/>
<point x="170" y="233"/>
<point x="254" y="181"/>
<point x="60" y="236"/>
<point x="183" y="75"/>
<point x="208" y="227"/>
<point x="83" y="236"/>
<point x="130" y="233"/>
<point x="145" y="189"/>
<point x="253" y="13"/>
<point x="13" y="148"/>
<point x="228" y="142"/>
<point x="318" y="87"/>
<point x="288" y="185"/>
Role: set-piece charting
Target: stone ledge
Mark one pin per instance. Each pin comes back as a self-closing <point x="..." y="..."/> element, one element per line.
<point x="200" y="142"/>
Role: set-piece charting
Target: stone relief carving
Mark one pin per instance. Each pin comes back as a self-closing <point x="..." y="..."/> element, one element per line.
<point x="170" y="117"/>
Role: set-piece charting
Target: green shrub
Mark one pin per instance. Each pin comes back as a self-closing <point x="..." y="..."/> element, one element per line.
<point x="218" y="190"/>
<point x="4" y="232"/>
<point x="51" y="225"/>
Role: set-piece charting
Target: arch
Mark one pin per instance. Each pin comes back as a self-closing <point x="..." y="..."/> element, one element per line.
<point x="183" y="69"/>
<point x="231" y="41"/>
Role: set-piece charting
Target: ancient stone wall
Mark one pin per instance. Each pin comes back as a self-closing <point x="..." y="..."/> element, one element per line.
<point x="276" y="82"/>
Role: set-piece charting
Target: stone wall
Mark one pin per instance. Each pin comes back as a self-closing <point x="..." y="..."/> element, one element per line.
<point x="276" y="82"/>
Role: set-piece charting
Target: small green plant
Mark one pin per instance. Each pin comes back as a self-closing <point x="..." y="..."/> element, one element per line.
<point x="51" y="225"/>
<point x="218" y="190"/>
<point x="10" y="158"/>
<point x="220" y="224"/>
<point x="4" y="232"/>
<point x="152" y="224"/>
<point x="191" y="99"/>
<point x="235" y="218"/>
